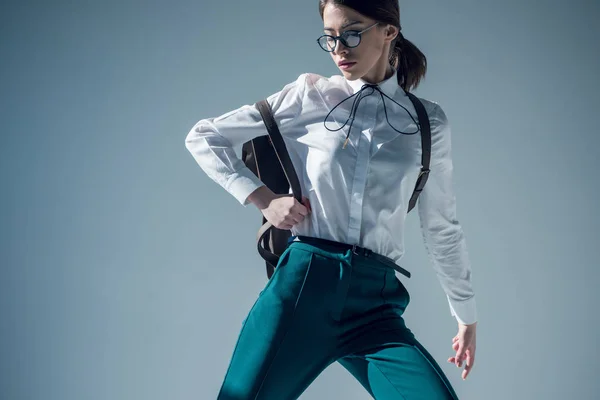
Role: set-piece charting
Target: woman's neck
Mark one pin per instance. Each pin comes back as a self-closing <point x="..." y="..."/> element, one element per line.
<point x="379" y="73"/>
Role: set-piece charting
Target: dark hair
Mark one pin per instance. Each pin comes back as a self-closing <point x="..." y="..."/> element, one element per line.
<point x="408" y="60"/>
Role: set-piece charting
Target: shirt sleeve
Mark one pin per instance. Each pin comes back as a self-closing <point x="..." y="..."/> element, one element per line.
<point x="442" y="233"/>
<point x="212" y="141"/>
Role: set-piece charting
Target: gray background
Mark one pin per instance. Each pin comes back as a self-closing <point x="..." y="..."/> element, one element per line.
<point x="126" y="273"/>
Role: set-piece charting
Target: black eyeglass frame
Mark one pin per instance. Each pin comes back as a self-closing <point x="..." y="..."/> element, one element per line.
<point x="343" y="37"/>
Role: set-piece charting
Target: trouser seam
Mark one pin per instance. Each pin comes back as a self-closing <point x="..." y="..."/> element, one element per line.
<point x="439" y="374"/>
<point x="388" y="379"/>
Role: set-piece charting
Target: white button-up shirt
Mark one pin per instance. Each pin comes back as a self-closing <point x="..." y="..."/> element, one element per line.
<point x="358" y="194"/>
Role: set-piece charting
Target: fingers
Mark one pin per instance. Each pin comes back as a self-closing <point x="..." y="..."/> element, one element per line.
<point x="292" y="213"/>
<point x="295" y="215"/>
<point x="294" y="219"/>
<point x="298" y="212"/>
<point x="463" y="353"/>
<point x="460" y="353"/>
<point x="302" y="208"/>
<point x="285" y="211"/>
<point x="468" y="366"/>
<point x="464" y="346"/>
<point x="306" y="203"/>
<point x="470" y="361"/>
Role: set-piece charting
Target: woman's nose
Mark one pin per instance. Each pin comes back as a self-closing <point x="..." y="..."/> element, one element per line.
<point x="340" y="48"/>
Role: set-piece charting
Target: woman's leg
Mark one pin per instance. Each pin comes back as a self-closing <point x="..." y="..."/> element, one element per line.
<point x="378" y="349"/>
<point x="286" y="340"/>
<point x="396" y="370"/>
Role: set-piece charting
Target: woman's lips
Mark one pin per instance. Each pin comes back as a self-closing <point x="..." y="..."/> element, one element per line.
<point x="347" y="65"/>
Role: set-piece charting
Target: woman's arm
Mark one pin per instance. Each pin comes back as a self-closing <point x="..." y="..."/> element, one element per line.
<point x="211" y="141"/>
<point x="442" y="233"/>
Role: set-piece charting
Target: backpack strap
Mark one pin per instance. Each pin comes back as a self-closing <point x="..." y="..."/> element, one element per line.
<point x="280" y="150"/>
<point x="271" y="240"/>
<point x="425" y="129"/>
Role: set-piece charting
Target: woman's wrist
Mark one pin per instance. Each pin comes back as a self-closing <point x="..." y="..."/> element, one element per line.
<point x="261" y="197"/>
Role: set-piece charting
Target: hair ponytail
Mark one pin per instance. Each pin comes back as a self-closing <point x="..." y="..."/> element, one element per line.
<point x="409" y="61"/>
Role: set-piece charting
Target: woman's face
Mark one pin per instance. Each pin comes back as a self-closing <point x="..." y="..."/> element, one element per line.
<point x="373" y="43"/>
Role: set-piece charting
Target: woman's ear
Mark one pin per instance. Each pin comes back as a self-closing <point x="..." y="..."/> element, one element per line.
<point x="391" y="32"/>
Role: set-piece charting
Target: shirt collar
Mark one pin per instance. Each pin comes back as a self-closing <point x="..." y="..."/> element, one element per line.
<point x="387" y="86"/>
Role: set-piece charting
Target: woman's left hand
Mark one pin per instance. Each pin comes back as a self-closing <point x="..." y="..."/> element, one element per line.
<point x="464" y="345"/>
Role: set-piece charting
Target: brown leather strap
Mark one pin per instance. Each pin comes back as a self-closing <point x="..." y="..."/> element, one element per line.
<point x="263" y="234"/>
<point x="425" y="129"/>
<point x="278" y="144"/>
<point x="267" y="230"/>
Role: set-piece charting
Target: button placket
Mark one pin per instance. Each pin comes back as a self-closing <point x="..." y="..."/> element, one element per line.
<point x="360" y="171"/>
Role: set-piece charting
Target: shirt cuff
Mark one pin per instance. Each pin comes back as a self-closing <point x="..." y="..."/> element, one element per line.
<point x="242" y="183"/>
<point x="464" y="311"/>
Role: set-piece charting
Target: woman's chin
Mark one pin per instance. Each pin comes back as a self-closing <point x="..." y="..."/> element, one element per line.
<point x="349" y="74"/>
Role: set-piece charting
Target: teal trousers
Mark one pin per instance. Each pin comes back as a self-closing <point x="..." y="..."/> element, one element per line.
<point x="321" y="306"/>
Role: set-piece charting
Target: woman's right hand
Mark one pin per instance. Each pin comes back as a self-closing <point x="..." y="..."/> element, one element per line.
<point x="284" y="211"/>
<point x="281" y="210"/>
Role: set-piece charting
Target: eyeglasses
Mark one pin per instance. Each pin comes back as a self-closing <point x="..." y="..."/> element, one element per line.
<point x="348" y="38"/>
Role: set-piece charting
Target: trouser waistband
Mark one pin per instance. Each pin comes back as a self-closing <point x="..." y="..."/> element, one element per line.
<point x="357" y="250"/>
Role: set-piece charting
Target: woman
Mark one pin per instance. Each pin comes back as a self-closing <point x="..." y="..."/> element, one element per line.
<point x="351" y="138"/>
